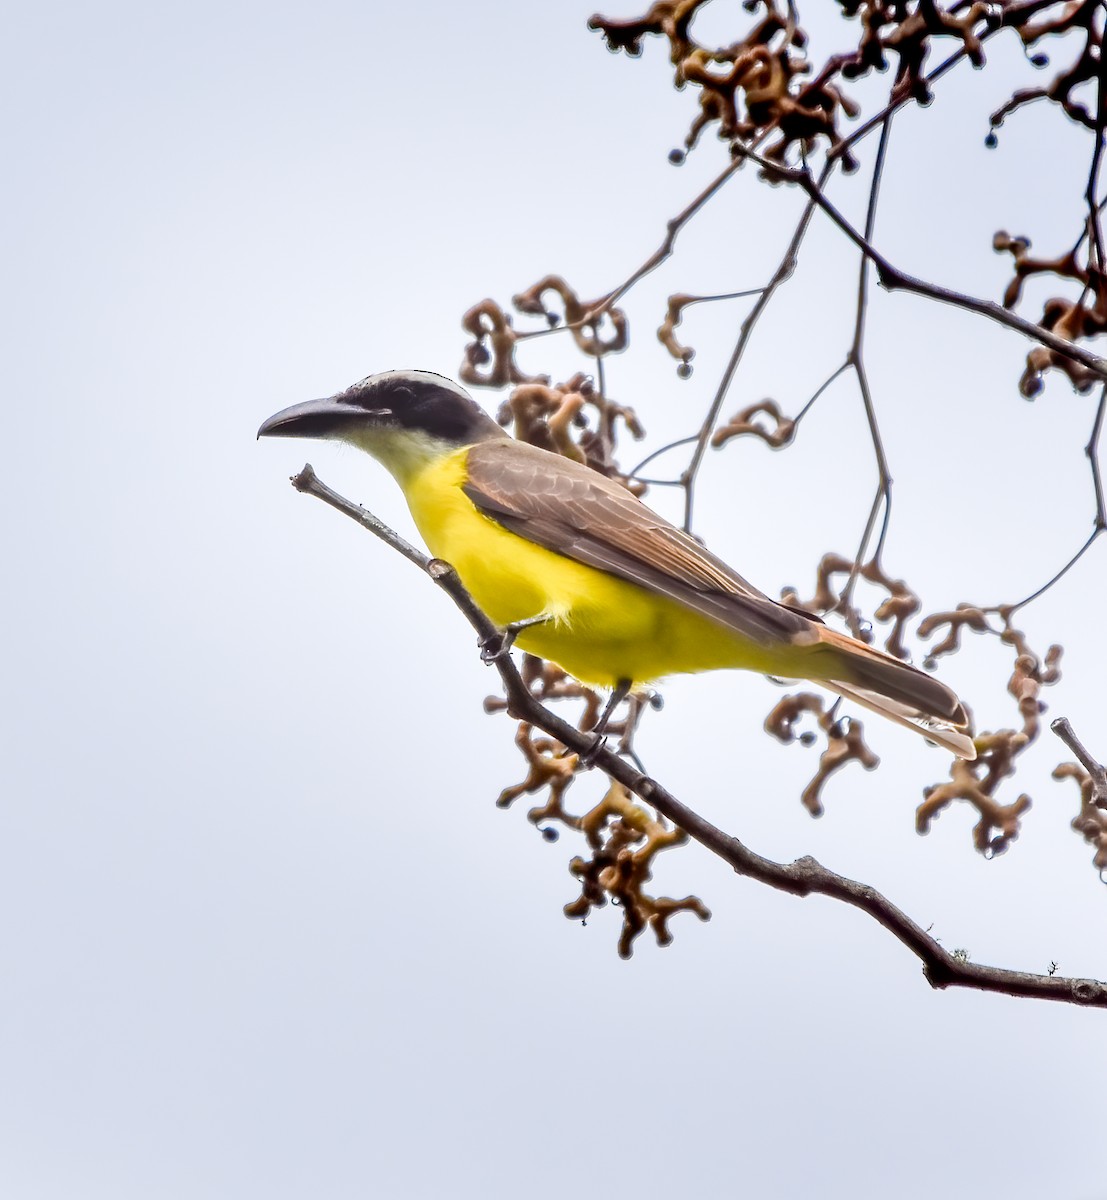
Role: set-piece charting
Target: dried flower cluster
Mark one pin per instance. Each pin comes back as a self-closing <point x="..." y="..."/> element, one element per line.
<point x="845" y="741"/>
<point x="622" y="835"/>
<point x="1076" y="318"/>
<point x="757" y="86"/>
<point x="624" y="838"/>
<point x="777" y="434"/>
<point x="748" y="89"/>
<point x="1091" y="821"/>
<point x="765" y="85"/>
<point x="976" y="782"/>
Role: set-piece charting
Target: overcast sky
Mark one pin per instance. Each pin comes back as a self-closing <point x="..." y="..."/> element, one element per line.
<point x="264" y="932"/>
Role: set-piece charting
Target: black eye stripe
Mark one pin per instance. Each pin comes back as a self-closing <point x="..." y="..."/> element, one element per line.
<point x="424" y="402"/>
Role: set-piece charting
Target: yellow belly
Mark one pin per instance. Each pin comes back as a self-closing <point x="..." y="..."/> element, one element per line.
<point x="605" y="629"/>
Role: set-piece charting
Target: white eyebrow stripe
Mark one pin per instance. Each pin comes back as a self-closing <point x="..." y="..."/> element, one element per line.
<point x="428" y="378"/>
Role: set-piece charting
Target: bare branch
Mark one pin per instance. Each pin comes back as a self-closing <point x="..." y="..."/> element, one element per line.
<point x="1095" y="769"/>
<point x="1091" y="451"/>
<point x="856" y="359"/>
<point x="804" y="877"/>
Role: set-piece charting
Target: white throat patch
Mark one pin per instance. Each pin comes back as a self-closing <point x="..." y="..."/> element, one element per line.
<point x="403" y="452"/>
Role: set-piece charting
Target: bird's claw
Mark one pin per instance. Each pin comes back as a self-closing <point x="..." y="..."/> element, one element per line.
<point x="587" y="756"/>
<point x="495" y="646"/>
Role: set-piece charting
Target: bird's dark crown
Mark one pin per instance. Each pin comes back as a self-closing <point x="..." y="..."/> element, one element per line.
<point x="424" y="401"/>
<point x="394" y="401"/>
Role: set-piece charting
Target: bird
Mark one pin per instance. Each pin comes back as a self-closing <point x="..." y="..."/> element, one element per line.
<point x="577" y="570"/>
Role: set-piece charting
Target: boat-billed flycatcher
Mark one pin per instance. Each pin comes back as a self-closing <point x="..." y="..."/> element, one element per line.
<point x="582" y="572"/>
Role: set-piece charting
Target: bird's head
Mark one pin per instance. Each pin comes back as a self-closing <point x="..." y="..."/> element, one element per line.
<point x="400" y="417"/>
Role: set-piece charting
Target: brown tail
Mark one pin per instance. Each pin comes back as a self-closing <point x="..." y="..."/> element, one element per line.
<point x="900" y="692"/>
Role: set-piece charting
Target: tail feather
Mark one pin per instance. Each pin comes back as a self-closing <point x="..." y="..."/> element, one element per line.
<point x="898" y="691"/>
<point x="952" y="739"/>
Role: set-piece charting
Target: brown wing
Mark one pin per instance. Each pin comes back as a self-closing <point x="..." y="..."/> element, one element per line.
<point x="575" y="511"/>
<point x="569" y="508"/>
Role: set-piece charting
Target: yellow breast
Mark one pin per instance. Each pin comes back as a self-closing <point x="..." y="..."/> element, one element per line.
<point x="604" y="629"/>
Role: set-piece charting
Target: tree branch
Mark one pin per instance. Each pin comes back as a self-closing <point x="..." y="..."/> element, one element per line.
<point x="1095" y="769"/>
<point x="783" y="272"/>
<point x="893" y="279"/>
<point x="856" y="359"/>
<point x="804" y="877"/>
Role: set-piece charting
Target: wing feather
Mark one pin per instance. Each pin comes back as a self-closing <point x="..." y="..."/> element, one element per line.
<point x="575" y="511"/>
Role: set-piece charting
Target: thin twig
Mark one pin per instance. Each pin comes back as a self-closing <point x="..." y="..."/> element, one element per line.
<point x="835" y="374"/>
<point x="1093" y="766"/>
<point x="1092" y="451"/>
<point x="804" y="877"/>
<point x="1091" y="192"/>
<point x="1011" y="609"/>
<point x="672" y="229"/>
<point x="856" y="359"/>
<point x="662" y="450"/>
<point x="711" y="299"/>
<point x="784" y="270"/>
<point x="1100" y="523"/>
<point x="606" y="447"/>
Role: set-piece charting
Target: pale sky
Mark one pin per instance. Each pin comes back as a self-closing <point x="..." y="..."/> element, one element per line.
<point x="265" y="932"/>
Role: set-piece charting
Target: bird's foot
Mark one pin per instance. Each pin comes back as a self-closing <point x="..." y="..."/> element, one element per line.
<point x="587" y="757"/>
<point x="498" y="645"/>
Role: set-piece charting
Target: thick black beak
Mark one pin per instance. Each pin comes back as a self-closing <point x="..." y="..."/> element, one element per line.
<point x="313" y="419"/>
